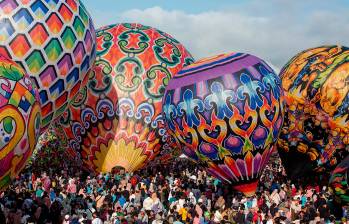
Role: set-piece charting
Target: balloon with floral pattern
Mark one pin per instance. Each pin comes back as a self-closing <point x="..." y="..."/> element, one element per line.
<point x="116" y="120"/>
<point x="20" y="118"/>
<point x="226" y="112"/>
<point x="315" y="136"/>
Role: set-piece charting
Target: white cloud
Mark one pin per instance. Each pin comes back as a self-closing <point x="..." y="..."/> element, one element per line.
<point x="275" y="35"/>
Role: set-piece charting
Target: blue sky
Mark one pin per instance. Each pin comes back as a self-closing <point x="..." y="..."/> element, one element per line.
<point x="274" y="30"/>
<point x="192" y="6"/>
<point x="196" y="6"/>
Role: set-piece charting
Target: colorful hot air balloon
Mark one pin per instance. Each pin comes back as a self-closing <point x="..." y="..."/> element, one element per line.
<point x="20" y="119"/>
<point x="339" y="182"/>
<point x="227" y="112"/>
<point x="54" y="41"/>
<point x="116" y="120"/>
<point x="315" y="135"/>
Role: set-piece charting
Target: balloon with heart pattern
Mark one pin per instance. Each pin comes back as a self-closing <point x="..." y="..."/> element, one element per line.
<point x="20" y="118"/>
<point x="226" y="111"/>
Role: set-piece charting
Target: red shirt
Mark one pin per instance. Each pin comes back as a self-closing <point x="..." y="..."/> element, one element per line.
<point x="256" y="217"/>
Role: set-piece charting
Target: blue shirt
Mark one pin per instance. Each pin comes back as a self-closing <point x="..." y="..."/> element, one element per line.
<point x="216" y="182"/>
<point x="249" y="204"/>
<point x="52" y="195"/>
<point x="122" y="201"/>
<point x="88" y="190"/>
<point x="39" y="193"/>
<point x="304" y="200"/>
<point x="113" y="198"/>
<point x="106" y="177"/>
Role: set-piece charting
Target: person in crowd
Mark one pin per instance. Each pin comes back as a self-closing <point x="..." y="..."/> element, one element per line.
<point x="181" y="193"/>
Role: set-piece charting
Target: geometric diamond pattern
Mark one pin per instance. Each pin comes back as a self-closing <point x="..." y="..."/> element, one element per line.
<point x="65" y="12"/>
<point x="79" y="53"/>
<point x="7" y="6"/>
<point x="54" y="41"/>
<point x="72" y="5"/>
<point x="47" y="112"/>
<point x="39" y="9"/>
<point x="73" y="77"/>
<point x="43" y="97"/>
<point x="61" y="103"/>
<point x="38" y="34"/>
<point x="48" y="76"/>
<point x="6" y="29"/>
<point x="79" y="27"/>
<point x="35" y="61"/>
<point x="23" y="19"/>
<point x="88" y="41"/>
<point x="4" y="52"/>
<point x="83" y="15"/>
<point x="54" y="23"/>
<point x="21" y="97"/>
<point x="20" y="45"/>
<point x="52" y="3"/>
<point x="56" y="89"/>
<point x="68" y="37"/>
<point x="53" y="49"/>
<point x="65" y="64"/>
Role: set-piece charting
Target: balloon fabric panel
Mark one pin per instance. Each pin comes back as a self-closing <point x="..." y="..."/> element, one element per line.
<point x="20" y="119"/>
<point x="54" y="41"/>
<point x="116" y="119"/>
<point x="226" y="111"/>
<point x="315" y="133"/>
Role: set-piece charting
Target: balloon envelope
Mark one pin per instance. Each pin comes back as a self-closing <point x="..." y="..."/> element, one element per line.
<point x="315" y="133"/>
<point x="20" y="119"/>
<point x="116" y="119"/>
<point x="226" y="111"/>
<point x="54" y="41"/>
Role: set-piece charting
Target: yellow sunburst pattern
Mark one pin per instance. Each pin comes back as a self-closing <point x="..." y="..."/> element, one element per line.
<point x="116" y="120"/>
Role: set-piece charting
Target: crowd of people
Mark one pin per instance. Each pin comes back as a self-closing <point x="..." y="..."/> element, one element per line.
<point x="179" y="192"/>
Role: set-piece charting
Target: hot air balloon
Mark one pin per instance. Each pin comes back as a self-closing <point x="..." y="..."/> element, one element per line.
<point x="116" y="120"/>
<point x="54" y="41"/>
<point x="20" y="119"/>
<point x="315" y="134"/>
<point x="339" y="182"/>
<point x="226" y="111"/>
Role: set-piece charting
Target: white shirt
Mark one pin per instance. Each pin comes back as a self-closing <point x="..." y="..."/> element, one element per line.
<point x="25" y="218"/>
<point x="181" y="203"/>
<point x="97" y="221"/>
<point x="132" y="196"/>
<point x="217" y="216"/>
<point x="148" y="203"/>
